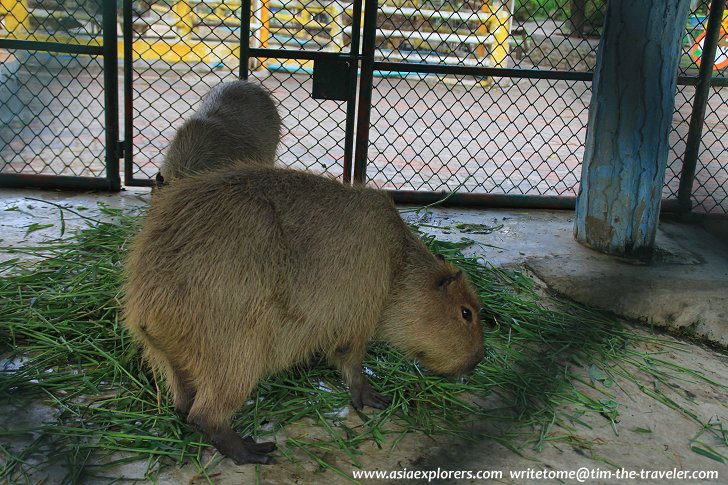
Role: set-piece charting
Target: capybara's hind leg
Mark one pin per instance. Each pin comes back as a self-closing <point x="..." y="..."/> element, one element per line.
<point x="232" y="445"/>
<point x="348" y="359"/>
<point x="178" y="380"/>
<point x="211" y="413"/>
<point x="183" y="391"/>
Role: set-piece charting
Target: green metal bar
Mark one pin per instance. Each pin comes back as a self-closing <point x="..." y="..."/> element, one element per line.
<point x="139" y="182"/>
<point x="387" y="66"/>
<point x="57" y="47"/>
<point x="516" y="73"/>
<point x="519" y="201"/>
<point x="366" y="84"/>
<point x="719" y="82"/>
<point x="244" y="40"/>
<point x="127" y="33"/>
<point x="111" y="95"/>
<point x="465" y="199"/>
<point x="700" y="101"/>
<point x="716" y="82"/>
<point x="290" y="54"/>
<point x="350" y="128"/>
<point x="66" y="182"/>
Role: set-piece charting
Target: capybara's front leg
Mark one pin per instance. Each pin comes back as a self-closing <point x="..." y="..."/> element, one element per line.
<point x="363" y="394"/>
<point x="348" y="359"/>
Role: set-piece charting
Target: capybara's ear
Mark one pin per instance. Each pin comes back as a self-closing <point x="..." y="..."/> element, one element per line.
<point x="443" y="282"/>
<point x="440" y="257"/>
<point x="159" y="179"/>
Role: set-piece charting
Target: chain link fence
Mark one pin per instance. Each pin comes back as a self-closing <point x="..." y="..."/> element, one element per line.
<point x="181" y="49"/>
<point x="478" y="97"/>
<point x="51" y="111"/>
<point x="710" y="186"/>
<point x="524" y="135"/>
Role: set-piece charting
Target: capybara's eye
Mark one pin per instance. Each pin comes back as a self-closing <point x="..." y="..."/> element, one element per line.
<point x="467" y="314"/>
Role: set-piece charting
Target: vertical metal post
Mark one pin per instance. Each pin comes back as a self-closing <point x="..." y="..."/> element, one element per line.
<point x="111" y="94"/>
<point x="351" y="103"/>
<point x="702" y="92"/>
<point x="264" y="24"/>
<point x="366" y="82"/>
<point x="244" y="40"/>
<point x="127" y="38"/>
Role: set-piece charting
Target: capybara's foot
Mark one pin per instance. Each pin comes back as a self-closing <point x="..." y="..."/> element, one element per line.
<point x="240" y="450"/>
<point x="243" y="451"/>
<point x="365" y="395"/>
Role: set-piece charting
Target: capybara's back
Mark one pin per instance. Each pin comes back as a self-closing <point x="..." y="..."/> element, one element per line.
<point x="240" y="273"/>
<point x="237" y="123"/>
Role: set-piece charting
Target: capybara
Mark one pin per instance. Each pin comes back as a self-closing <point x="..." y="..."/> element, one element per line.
<point x="240" y="273"/>
<point x="237" y="122"/>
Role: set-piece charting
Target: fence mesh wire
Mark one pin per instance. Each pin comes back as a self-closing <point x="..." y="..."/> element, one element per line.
<point x="453" y="138"/>
<point x="519" y="136"/>
<point x="710" y="190"/>
<point x="313" y="137"/>
<point x="51" y="105"/>
<point x="428" y="132"/>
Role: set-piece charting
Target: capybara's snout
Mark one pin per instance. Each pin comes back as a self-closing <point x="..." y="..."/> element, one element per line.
<point x="468" y="365"/>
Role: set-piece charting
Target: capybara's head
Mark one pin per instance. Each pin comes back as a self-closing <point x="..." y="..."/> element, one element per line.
<point x="434" y="316"/>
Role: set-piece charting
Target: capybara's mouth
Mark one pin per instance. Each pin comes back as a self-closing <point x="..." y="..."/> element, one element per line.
<point x="456" y="372"/>
<point x="477" y="359"/>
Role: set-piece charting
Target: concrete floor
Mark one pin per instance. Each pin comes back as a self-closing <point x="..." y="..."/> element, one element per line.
<point x="684" y="289"/>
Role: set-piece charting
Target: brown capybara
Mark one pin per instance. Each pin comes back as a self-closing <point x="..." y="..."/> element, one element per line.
<point x="240" y="273"/>
<point x="237" y="122"/>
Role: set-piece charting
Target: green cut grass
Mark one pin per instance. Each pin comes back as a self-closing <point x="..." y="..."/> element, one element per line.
<point x="62" y="344"/>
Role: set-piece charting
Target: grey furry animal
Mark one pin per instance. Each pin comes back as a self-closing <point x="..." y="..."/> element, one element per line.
<point x="241" y="273"/>
<point x="236" y="123"/>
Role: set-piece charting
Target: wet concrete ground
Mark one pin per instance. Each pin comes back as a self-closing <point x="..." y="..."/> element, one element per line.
<point x="686" y="287"/>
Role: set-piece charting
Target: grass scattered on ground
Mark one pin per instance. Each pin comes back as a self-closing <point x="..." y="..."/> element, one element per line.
<point x="62" y="344"/>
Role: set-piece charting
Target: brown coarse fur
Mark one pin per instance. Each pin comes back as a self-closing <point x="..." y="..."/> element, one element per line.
<point x="237" y="122"/>
<point x="240" y="273"/>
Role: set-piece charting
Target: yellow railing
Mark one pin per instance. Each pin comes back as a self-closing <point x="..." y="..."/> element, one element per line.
<point x="15" y="13"/>
<point x="194" y="31"/>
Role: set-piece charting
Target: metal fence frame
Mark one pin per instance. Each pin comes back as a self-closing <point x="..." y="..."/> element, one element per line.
<point x="360" y="65"/>
<point x="703" y="83"/>
<point x="113" y="148"/>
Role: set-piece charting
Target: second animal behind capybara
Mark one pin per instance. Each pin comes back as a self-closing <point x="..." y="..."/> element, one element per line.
<point x="237" y="122"/>
<point x="238" y="274"/>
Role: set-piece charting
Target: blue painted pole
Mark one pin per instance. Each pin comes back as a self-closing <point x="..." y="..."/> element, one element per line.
<point x="633" y="99"/>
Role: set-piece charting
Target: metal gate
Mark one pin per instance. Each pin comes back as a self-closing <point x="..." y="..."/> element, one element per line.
<point x="513" y="167"/>
<point x="59" y="96"/>
<point x="442" y="105"/>
<point x="334" y="75"/>
<point x="424" y="98"/>
<point x="317" y="83"/>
